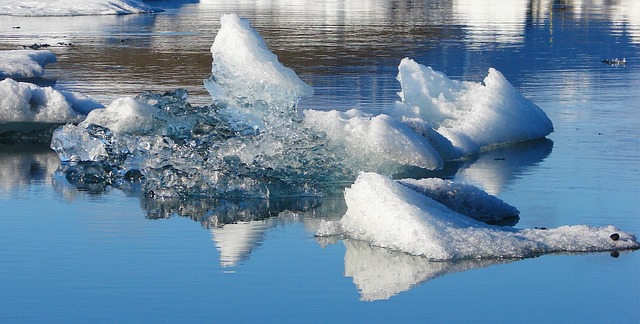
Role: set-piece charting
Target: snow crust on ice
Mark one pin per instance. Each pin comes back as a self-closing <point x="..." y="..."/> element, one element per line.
<point x="385" y="213"/>
<point x="26" y="102"/>
<point x="470" y="115"/>
<point x="22" y="64"/>
<point x="73" y="8"/>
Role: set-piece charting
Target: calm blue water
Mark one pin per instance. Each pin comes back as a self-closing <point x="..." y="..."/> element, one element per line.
<point x="77" y="256"/>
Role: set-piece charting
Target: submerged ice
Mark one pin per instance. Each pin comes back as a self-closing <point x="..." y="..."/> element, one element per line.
<point x="386" y="213"/>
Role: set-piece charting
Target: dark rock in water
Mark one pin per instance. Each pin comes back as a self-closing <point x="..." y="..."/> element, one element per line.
<point x="614" y="254"/>
<point x="615" y="236"/>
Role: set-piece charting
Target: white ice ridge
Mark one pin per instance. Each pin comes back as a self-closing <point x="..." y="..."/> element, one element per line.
<point x="21" y="64"/>
<point x="41" y="8"/>
<point x="26" y="102"/>
<point x="471" y="115"/>
<point x="385" y="213"/>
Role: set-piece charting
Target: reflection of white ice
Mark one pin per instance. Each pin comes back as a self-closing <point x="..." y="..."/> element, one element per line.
<point x="380" y="274"/>
<point x="329" y="13"/>
<point x="495" y="169"/>
<point x="236" y="241"/>
<point x="20" y="167"/>
<point x="493" y="20"/>
<point x="625" y="15"/>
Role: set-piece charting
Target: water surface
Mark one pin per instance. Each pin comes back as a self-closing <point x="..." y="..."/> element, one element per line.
<point x="69" y="255"/>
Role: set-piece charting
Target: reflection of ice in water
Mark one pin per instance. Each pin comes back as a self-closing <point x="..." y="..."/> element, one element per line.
<point x="236" y="241"/>
<point x="24" y="165"/>
<point x="492" y="21"/>
<point x="495" y="169"/>
<point x="380" y="274"/>
<point x="625" y="15"/>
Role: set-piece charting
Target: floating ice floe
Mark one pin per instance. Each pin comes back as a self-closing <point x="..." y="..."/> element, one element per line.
<point x="23" y="64"/>
<point x="386" y="213"/>
<point x="73" y="8"/>
<point x="470" y="115"/>
<point x="26" y="102"/>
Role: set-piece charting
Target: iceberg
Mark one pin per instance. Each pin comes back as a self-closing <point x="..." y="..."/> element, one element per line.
<point x="386" y="213"/>
<point x="23" y="64"/>
<point x="73" y="8"/>
<point x="250" y="142"/>
<point x="470" y="115"/>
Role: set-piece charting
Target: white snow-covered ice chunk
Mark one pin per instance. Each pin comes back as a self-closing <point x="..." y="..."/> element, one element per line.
<point x="38" y="8"/>
<point x="465" y="199"/>
<point x="124" y="115"/>
<point x="246" y="72"/>
<point x="374" y="142"/>
<point x="26" y="102"/>
<point x="385" y="213"/>
<point x="471" y="115"/>
<point x="73" y="143"/>
<point x="21" y="64"/>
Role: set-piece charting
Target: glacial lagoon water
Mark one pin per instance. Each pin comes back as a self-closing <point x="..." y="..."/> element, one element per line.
<point x="69" y="255"/>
